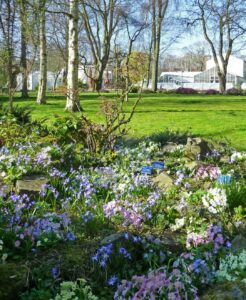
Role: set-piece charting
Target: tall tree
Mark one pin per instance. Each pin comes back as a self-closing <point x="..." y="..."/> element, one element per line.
<point x="73" y="103"/>
<point x="223" y="24"/>
<point x="158" y="10"/>
<point x="100" y="20"/>
<point x="41" y="98"/>
<point x="7" y="27"/>
<point x="23" y="60"/>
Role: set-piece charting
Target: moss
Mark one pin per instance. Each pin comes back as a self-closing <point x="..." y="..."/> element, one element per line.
<point x="12" y="280"/>
<point x="226" y="291"/>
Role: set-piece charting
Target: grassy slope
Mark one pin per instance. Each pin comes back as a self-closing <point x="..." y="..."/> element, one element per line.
<point x="209" y="116"/>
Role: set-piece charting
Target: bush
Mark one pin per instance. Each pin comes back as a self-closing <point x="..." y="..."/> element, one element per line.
<point x="211" y="92"/>
<point x="234" y="91"/>
<point x="135" y="89"/>
<point x="188" y="91"/>
<point x="167" y="91"/>
<point x="22" y="114"/>
<point x="147" y="91"/>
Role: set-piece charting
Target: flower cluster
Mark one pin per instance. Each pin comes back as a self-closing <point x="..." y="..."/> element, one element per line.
<point x="129" y="211"/>
<point x="157" y="284"/>
<point x="213" y="235"/>
<point x="215" y="200"/>
<point x="232" y="267"/>
<point x="207" y="172"/>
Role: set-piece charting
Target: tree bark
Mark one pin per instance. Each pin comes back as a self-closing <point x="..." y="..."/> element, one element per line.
<point x="155" y="59"/>
<point x="23" y="63"/>
<point x="222" y="80"/>
<point x="41" y="98"/>
<point x="73" y="103"/>
<point x="10" y="79"/>
<point x="159" y="9"/>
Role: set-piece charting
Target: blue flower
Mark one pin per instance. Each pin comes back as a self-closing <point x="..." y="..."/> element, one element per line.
<point x="112" y="280"/>
<point x="55" y="272"/>
<point x="70" y="236"/>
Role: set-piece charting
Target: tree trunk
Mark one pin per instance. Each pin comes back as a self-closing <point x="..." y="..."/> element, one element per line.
<point x="99" y="80"/>
<point x="10" y="80"/>
<point x="41" y="98"/>
<point x="73" y="61"/>
<point x="149" y="65"/>
<point x="23" y="63"/>
<point x="155" y="59"/>
<point x="222" y="80"/>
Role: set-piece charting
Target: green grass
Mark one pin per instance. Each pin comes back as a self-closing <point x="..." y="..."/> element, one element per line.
<point x="219" y="117"/>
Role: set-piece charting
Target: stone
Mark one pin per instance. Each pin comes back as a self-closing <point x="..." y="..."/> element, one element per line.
<point x="227" y="291"/>
<point x="192" y="165"/>
<point x="238" y="243"/>
<point x="31" y="184"/>
<point x="170" y="147"/>
<point x="197" y="148"/>
<point x="171" y="240"/>
<point x="225" y="159"/>
<point x="112" y="238"/>
<point x="163" y="181"/>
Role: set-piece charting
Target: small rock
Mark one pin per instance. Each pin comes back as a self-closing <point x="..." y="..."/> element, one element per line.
<point x="192" y="165"/>
<point x="227" y="291"/>
<point x="225" y="159"/>
<point x="197" y="148"/>
<point x="112" y="238"/>
<point x="163" y="181"/>
<point x="31" y="184"/>
<point x="169" y="147"/>
<point x="238" y="243"/>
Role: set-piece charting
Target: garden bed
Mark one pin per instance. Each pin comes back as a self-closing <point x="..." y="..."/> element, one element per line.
<point x="149" y="221"/>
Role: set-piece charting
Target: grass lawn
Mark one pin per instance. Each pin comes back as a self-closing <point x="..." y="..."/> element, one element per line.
<point x="220" y="117"/>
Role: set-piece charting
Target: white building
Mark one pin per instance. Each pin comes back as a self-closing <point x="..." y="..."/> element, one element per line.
<point x="33" y="80"/>
<point x="208" y="79"/>
<point x="52" y="78"/>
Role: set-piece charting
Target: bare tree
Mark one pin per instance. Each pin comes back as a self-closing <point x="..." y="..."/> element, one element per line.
<point x="41" y="98"/>
<point x="223" y="23"/>
<point x="100" y="20"/>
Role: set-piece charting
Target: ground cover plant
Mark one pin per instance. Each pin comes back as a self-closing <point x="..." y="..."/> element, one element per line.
<point x="212" y="116"/>
<point x="153" y="220"/>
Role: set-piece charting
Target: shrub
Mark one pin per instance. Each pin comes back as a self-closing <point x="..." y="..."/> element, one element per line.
<point x="148" y="91"/>
<point x="21" y="114"/>
<point x="211" y="92"/>
<point x="234" y="91"/>
<point x="188" y="91"/>
<point x="135" y="89"/>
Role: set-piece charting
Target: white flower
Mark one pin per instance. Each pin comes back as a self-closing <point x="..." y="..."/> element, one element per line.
<point x="237" y="156"/>
<point x="215" y="200"/>
<point x="179" y="223"/>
